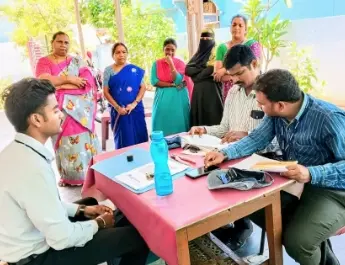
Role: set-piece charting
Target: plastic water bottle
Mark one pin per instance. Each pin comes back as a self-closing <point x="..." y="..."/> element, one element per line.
<point x="159" y="153"/>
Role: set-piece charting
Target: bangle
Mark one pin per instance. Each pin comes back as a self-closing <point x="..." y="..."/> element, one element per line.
<point x="81" y="210"/>
<point x="137" y="101"/>
<point x="104" y="223"/>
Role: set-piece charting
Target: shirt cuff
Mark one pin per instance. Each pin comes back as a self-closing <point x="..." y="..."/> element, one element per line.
<point x="94" y="226"/>
<point x="230" y="152"/>
<point x="316" y="174"/>
<point x="71" y="208"/>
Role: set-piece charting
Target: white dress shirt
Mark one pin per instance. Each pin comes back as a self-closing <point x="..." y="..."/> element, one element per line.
<point x="236" y="115"/>
<point x="33" y="219"/>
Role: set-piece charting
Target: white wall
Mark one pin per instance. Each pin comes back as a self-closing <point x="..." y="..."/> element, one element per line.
<point x="326" y="39"/>
<point x="13" y="63"/>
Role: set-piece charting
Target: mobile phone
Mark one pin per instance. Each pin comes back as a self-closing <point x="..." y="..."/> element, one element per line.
<point x="201" y="171"/>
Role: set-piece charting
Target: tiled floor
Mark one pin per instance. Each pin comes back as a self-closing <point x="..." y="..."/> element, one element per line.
<point x="73" y="194"/>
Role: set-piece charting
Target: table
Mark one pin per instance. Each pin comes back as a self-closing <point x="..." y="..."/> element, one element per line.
<point x="168" y="223"/>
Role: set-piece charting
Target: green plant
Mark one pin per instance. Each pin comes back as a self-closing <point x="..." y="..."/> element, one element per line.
<point x="302" y="66"/>
<point x="4" y="83"/>
<point x="268" y="32"/>
<point x="38" y="18"/>
<point x="145" y="29"/>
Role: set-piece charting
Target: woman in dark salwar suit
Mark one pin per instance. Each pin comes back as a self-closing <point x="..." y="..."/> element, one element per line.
<point x="207" y="103"/>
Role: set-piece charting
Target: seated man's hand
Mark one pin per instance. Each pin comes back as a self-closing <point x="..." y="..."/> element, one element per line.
<point x="92" y="212"/>
<point x="213" y="158"/>
<point x="233" y="136"/>
<point x="197" y="130"/>
<point x="297" y="172"/>
<point x="105" y="220"/>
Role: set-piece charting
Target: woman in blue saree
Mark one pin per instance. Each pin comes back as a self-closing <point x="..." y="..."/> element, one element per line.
<point x="124" y="89"/>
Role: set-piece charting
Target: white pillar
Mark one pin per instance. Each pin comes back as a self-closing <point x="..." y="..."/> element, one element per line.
<point x="118" y="20"/>
<point x="80" y="30"/>
<point x="195" y="23"/>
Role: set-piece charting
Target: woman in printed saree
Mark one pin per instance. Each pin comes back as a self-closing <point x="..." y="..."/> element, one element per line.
<point x="170" y="112"/>
<point x="124" y="89"/>
<point x="75" y="92"/>
<point x="238" y="32"/>
<point x="207" y="104"/>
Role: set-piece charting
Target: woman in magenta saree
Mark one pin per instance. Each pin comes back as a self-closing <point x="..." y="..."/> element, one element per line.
<point x="77" y="143"/>
<point x="124" y="90"/>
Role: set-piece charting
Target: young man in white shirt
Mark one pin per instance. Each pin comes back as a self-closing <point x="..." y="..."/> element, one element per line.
<point x="35" y="227"/>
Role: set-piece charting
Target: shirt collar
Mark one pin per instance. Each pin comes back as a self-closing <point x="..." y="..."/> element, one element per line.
<point x="303" y="107"/>
<point x="34" y="144"/>
<point x="242" y="89"/>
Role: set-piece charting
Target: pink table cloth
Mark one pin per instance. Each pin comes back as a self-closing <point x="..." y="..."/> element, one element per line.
<point x="158" y="218"/>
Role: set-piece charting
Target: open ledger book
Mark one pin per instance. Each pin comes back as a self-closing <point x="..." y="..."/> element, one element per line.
<point x="136" y="179"/>
<point x="205" y="142"/>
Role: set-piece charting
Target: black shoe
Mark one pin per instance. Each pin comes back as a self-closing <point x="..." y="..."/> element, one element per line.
<point x="327" y="255"/>
<point x="235" y="237"/>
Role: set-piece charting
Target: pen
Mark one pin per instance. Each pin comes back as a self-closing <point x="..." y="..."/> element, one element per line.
<point x="178" y="159"/>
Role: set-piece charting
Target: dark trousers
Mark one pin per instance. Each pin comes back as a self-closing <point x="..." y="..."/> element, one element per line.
<point x="121" y="241"/>
<point x="309" y="222"/>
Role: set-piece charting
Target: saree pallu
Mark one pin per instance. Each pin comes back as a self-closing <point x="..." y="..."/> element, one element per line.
<point x="171" y="106"/>
<point x="124" y="86"/>
<point x="77" y="143"/>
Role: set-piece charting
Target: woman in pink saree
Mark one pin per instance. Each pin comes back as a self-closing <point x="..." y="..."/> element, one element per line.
<point x="75" y="92"/>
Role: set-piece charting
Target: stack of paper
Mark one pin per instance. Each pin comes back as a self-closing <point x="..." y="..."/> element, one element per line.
<point x="137" y="178"/>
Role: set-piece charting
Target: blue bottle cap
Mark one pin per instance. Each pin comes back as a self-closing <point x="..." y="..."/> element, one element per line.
<point x="157" y="135"/>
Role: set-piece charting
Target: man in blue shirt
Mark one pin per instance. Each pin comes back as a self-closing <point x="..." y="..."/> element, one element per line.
<point x="311" y="132"/>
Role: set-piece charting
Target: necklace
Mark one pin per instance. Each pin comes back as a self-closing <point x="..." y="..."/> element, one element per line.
<point x="63" y="72"/>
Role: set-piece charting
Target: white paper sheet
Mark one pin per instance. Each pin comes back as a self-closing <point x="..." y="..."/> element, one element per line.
<point x="203" y="141"/>
<point x="137" y="179"/>
<point x="248" y="163"/>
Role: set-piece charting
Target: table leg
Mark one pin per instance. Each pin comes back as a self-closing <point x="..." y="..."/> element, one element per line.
<point x="274" y="230"/>
<point x="107" y="130"/>
<point x="182" y="247"/>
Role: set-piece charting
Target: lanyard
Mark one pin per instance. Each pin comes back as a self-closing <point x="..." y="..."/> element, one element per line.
<point x="32" y="149"/>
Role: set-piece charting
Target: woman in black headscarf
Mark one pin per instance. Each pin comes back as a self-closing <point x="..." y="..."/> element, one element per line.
<point x="206" y="104"/>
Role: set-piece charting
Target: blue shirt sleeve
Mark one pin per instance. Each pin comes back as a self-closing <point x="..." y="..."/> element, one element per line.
<point x="106" y="76"/>
<point x="332" y="175"/>
<point x="256" y="141"/>
<point x="154" y="78"/>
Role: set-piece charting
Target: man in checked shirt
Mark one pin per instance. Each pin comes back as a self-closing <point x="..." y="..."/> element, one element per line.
<point x="312" y="132"/>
